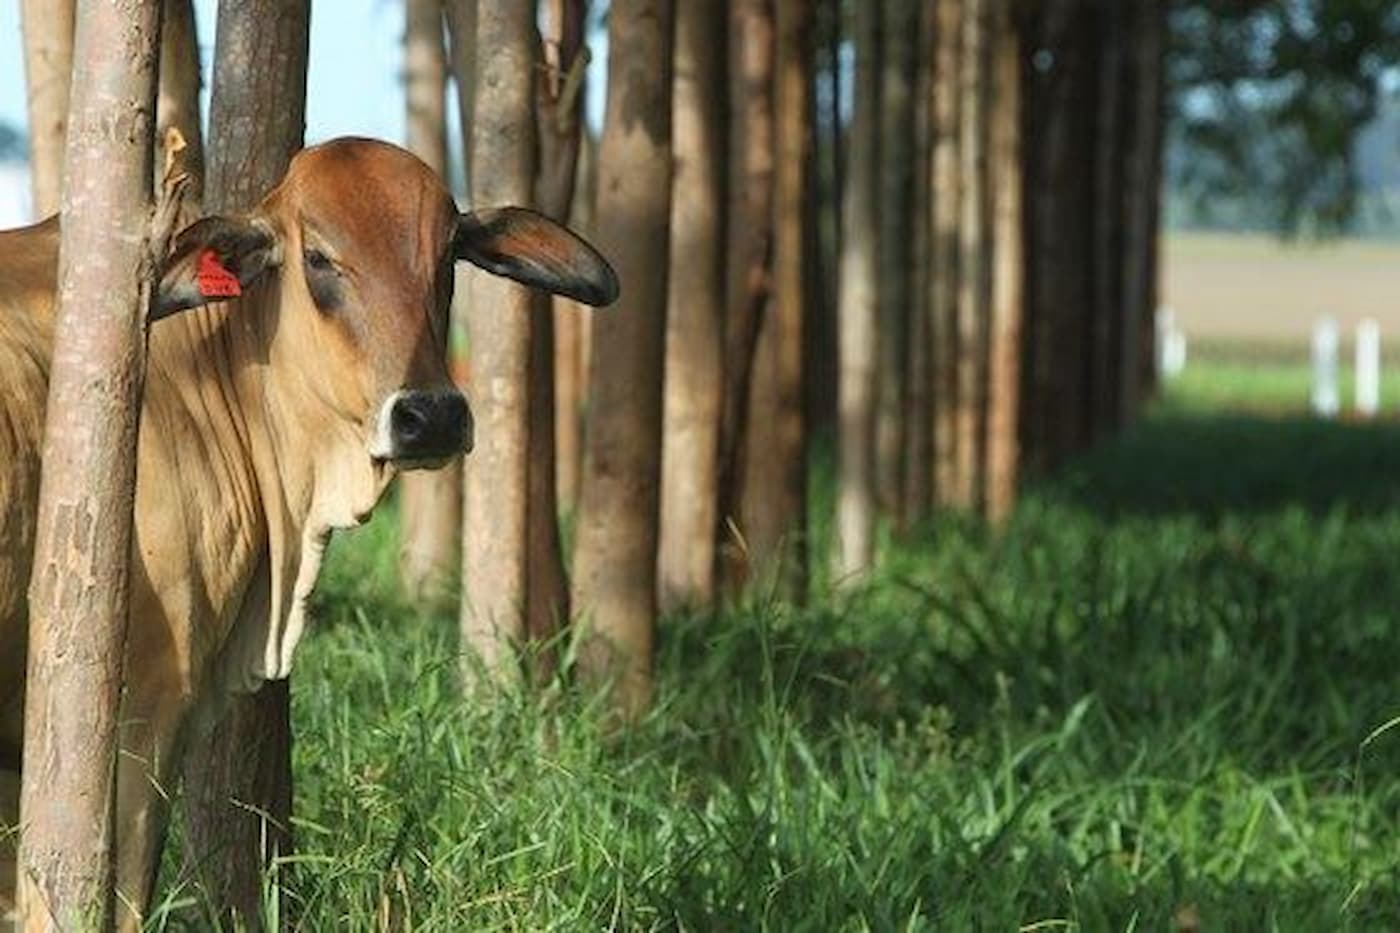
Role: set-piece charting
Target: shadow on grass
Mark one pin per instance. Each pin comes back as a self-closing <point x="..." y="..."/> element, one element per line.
<point x="1211" y="464"/>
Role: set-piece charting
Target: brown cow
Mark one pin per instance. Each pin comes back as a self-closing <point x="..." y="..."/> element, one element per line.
<point x="268" y="421"/>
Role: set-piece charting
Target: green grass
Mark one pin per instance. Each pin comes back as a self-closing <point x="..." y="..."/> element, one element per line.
<point x="1163" y="690"/>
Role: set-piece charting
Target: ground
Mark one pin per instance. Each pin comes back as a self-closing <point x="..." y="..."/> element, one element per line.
<point x="1163" y="698"/>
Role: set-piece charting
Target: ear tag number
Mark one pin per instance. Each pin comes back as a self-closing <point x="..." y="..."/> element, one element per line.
<point x="215" y="281"/>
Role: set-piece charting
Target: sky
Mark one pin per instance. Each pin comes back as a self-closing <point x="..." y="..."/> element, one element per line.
<point x="353" y="82"/>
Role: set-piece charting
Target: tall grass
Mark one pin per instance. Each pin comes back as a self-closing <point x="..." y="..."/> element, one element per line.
<point x="1159" y="699"/>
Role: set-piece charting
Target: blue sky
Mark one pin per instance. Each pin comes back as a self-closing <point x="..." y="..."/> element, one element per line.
<point x="353" y="85"/>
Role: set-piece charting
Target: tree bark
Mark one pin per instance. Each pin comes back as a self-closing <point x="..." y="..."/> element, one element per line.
<point x="48" y="67"/>
<point x="495" y="523"/>
<point x="749" y="270"/>
<point x="1142" y="196"/>
<point x="177" y="104"/>
<point x="974" y="283"/>
<point x="946" y="184"/>
<point x="559" y="109"/>
<point x="430" y="502"/>
<point x="1008" y="282"/>
<point x="615" y="567"/>
<point x="917" y="450"/>
<point x="695" y="327"/>
<point x="571" y="323"/>
<point x="858" y="314"/>
<point x="237" y="778"/>
<point x="80" y="588"/>
<point x="774" y="504"/>
<point x="1107" y="335"/>
<point x="900" y="34"/>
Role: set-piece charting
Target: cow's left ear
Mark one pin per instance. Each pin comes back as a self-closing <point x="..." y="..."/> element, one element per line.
<point x="213" y="259"/>
<point x="530" y="248"/>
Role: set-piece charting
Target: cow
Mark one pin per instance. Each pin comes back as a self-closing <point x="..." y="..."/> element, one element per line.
<point x="269" y="419"/>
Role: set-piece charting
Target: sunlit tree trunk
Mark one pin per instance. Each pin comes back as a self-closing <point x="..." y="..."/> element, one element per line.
<point x="615" y="565"/>
<point x="48" y="67"/>
<point x="430" y="502"/>
<point x="858" y="313"/>
<point x="750" y="256"/>
<point x="899" y="28"/>
<point x="242" y="768"/>
<point x="946" y="187"/>
<point x="80" y="588"/>
<point x="695" y="313"/>
<point x="559" y="96"/>
<point x="177" y="105"/>
<point x="1008" y="279"/>
<point x="495" y="523"/>
<point x="974" y="282"/>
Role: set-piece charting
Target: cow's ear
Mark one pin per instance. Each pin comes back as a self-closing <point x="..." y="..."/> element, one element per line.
<point x="530" y="248"/>
<point x="213" y="259"/>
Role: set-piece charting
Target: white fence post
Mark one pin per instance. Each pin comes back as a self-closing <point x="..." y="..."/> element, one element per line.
<point x="1171" y="345"/>
<point x="1368" y="368"/>
<point x="1326" y="399"/>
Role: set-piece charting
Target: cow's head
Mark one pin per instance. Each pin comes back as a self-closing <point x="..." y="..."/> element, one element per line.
<point x="360" y="240"/>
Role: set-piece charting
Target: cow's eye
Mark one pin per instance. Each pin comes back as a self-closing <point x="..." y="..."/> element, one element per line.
<point x="317" y="261"/>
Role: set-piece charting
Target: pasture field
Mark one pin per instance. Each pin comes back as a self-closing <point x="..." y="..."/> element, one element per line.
<point x="1164" y="698"/>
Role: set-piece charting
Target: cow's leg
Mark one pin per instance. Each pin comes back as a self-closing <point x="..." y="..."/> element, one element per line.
<point x="147" y="771"/>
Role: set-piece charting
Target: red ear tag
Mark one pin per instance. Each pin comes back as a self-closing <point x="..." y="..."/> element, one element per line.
<point x="215" y="281"/>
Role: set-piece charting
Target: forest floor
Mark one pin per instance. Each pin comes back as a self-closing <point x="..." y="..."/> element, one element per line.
<point x="1165" y="697"/>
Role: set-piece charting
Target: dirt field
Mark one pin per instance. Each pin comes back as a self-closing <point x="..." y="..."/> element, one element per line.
<point x="1253" y="289"/>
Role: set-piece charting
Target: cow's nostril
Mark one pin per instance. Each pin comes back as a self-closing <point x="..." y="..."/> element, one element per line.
<point x="410" y="420"/>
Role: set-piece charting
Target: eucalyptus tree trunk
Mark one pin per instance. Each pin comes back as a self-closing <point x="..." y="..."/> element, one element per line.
<point x="917" y="452"/>
<point x="900" y="34"/>
<point x="559" y="104"/>
<point x="858" y="314"/>
<point x="695" y="314"/>
<point x="242" y="767"/>
<point x="48" y="68"/>
<point x="750" y="257"/>
<point x="177" y="104"/>
<point x="615" y="563"/>
<point x="499" y="324"/>
<point x="773" y="508"/>
<point x="1142" y="208"/>
<point x="571" y="327"/>
<point x="80" y="587"/>
<point x="1008" y="279"/>
<point x="1112" y="97"/>
<point x="430" y="502"/>
<point x="946" y="185"/>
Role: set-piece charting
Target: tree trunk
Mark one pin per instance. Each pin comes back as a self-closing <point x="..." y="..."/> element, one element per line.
<point x="615" y="567"/>
<point x="430" y="502"/>
<point x="571" y="323"/>
<point x="559" y="105"/>
<point x="1008" y="281"/>
<point x="1106" y="350"/>
<point x="695" y="326"/>
<point x="917" y="450"/>
<point x="858" y="314"/>
<point x="79" y="592"/>
<point x="242" y="767"/>
<point x="749" y="270"/>
<point x="900" y="33"/>
<point x="48" y="67"/>
<point x="974" y="284"/>
<point x="774" y="503"/>
<point x="495" y="523"/>
<point x="1142" y="196"/>
<point x="177" y="105"/>
<point x="946" y="187"/>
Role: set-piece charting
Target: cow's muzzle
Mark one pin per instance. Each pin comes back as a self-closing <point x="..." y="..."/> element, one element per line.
<point x="422" y="429"/>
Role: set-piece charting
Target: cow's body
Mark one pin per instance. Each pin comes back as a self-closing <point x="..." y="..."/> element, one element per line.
<point x="261" y="428"/>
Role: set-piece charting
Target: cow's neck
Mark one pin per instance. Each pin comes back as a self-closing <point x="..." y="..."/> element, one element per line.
<point x="216" y="369"/>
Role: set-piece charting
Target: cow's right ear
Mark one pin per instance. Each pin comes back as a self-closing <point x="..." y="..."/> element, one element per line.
<point x="213" y="259"/>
